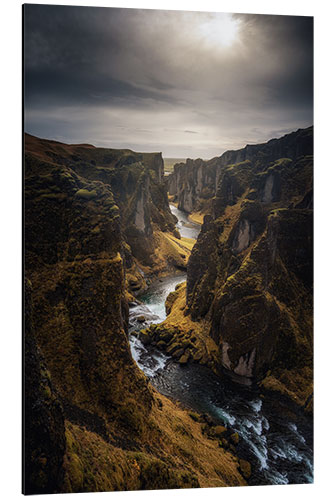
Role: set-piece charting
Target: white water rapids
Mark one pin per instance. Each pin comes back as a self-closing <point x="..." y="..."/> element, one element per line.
<point x="280" y="450"/>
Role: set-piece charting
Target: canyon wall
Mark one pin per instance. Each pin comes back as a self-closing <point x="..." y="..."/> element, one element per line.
<point x="124" y="182"/>
<point x="250" y="272"/>
<point x="196" y="181"/>
<point x="94" y="219"/>
<point x="74" y="260"/>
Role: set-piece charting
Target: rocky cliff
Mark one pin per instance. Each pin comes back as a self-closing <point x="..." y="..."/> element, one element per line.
<point x="250" y="272"/>
<point x="247" y="308"/>
<point x="194" y="183"/>
<point x="63" y="176"/>
<point x="94" y="221"/>
<point x="44" y="428"/>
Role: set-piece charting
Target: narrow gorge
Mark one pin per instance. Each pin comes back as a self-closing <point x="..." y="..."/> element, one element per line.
<point x="168" y="318"/>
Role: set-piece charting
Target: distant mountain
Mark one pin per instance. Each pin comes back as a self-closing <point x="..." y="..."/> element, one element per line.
<point x="169" y="164"/>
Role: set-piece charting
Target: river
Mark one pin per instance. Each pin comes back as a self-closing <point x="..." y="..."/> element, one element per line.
<point x="187" y="228"/>
<point x="275" y="437"/>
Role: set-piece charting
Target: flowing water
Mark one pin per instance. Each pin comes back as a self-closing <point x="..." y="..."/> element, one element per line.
<point x="153" y="307"/>
<point x="186" y="228"/>
<point x="275" y="437"/>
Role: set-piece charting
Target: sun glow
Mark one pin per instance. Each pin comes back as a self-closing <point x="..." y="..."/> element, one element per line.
<point x="220" y="30"/>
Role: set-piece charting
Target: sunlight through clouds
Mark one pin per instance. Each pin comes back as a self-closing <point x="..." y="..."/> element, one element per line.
<point x="219" y="30"/>
<point x="140" y="79"/>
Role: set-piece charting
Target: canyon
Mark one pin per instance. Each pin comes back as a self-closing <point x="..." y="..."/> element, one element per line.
<point x="253" y="260"/>
<point x="99" y="234"/>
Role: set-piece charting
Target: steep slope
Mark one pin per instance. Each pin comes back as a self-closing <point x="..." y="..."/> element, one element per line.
<point x="92" y="219"/>
<point x="44" y="445"/>
<point x="250" y="272"/>
<point x="194" y="183"/>
<point x="136" y="183"/>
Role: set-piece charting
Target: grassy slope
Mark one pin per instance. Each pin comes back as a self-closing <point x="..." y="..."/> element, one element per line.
<point x="179" y="456"/>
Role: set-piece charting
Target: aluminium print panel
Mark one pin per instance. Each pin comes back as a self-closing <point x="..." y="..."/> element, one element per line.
<point x="168" y="252"/>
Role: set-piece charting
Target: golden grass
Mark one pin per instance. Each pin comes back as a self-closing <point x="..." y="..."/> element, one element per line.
<point x="183" y="243"/>
<point x="196" y="217"/>
<point x="92" y="464"/>
<point x="185" y="442"/>
<point x="295" y="384"/>
<point x="197" y="329"/>
<point x="170" y="249"/>
<point x="171" y="439"/>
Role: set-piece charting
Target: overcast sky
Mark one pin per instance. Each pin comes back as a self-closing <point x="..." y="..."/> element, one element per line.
<point x="185" y="83"/>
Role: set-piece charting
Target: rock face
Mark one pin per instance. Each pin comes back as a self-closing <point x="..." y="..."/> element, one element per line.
<point x="90" y="219"/>
<point x="93" y="422"/>
<point x="74" y="258"/>
<point x="194" y="182"/>
<point x="250" y="272"/>
<point x="61" y="178"/>
<point x="191" y="182"/>
<point x="44" y="445"/>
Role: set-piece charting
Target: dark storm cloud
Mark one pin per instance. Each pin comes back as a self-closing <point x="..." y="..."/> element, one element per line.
<point x="70" y="56"/>
<point x="67" y="87"/>
<point x="287" y="42"/>
<point x="162" y="80"/>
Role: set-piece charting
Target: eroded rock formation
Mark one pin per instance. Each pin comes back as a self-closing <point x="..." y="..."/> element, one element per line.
<point x="195" y="182"/>
<point x="250" y="272"/>
<point x="95" y="220"/>
<point x="44" y="428"/>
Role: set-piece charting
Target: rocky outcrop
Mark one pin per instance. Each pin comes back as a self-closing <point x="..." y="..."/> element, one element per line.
<point x="196" y="181"/>
<point x="75" y="260"/>
<point x="191" y="181"/>
<point x="250" y="272"/>
<point x="44" y="429"/>
<point x="133" y="182"/>
<point x="93" y="217"/>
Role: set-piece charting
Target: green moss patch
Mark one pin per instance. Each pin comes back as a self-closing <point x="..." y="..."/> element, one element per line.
<point x="85" y="194"/>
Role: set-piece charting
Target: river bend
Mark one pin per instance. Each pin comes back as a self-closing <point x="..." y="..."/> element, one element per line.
<point x="280" y="449"/>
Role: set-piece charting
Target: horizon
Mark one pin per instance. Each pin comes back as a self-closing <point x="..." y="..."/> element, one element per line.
<point x="161" y="152"/>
